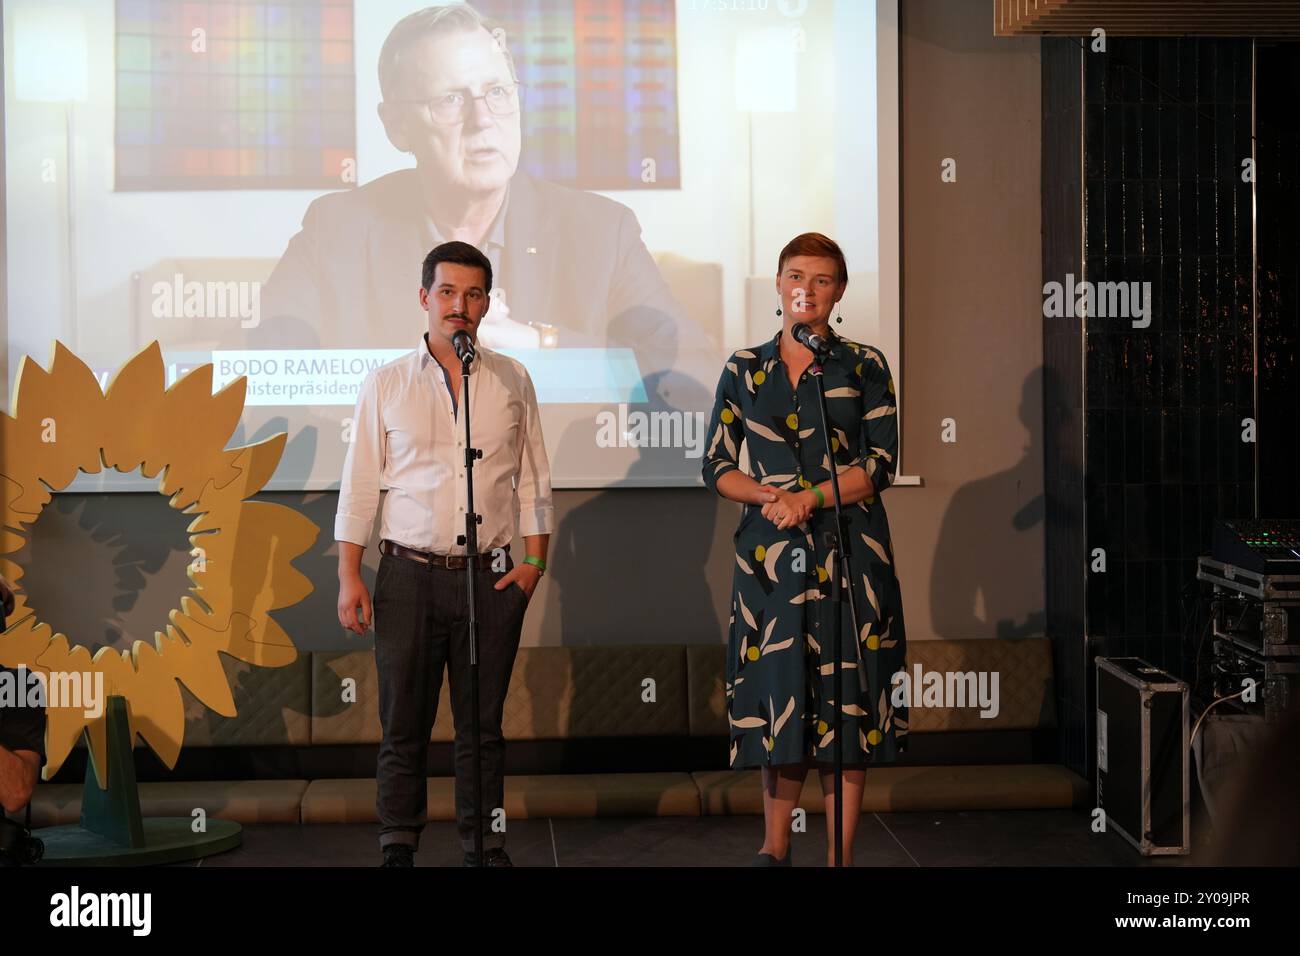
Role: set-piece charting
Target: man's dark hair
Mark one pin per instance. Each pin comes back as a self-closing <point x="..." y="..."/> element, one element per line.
<point x="460" y="253"/>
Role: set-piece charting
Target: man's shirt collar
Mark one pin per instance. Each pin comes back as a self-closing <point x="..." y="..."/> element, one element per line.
<point x="426" y="356"/>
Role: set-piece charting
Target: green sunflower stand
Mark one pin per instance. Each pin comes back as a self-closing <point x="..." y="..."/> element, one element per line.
<point x="113" y="832"/>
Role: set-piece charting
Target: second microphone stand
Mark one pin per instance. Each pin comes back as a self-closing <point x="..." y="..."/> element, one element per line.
<point x="470" y="540"/>
<point x="838" y="558"/>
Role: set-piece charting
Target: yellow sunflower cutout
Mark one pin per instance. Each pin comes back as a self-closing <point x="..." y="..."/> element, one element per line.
<point x="62" y="422"/>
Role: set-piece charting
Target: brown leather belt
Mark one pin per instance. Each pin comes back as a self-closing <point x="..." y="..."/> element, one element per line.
<point x="450" y="562"/>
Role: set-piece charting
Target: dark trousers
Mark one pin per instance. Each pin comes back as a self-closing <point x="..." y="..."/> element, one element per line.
<point x="422" y="627"/>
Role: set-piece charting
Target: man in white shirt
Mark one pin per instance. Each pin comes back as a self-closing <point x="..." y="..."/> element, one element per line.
<point x="409" y="436"/>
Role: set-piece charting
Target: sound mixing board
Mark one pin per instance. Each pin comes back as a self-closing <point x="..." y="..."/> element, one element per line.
<point x="1262" y="545"/>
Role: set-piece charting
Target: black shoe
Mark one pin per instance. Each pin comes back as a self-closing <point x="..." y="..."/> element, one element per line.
<point x="399" y="854"/>
<point x="496" y="856"/>
<point x="767" y="859"/>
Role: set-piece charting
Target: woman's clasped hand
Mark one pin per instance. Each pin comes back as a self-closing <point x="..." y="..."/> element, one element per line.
<point x="788" y="508"/>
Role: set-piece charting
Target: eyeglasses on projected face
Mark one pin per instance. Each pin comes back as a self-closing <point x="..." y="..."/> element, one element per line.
<point x="453" y="106"/>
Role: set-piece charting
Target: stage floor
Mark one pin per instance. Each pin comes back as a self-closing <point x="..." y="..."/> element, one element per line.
<point x="964" y="838"/>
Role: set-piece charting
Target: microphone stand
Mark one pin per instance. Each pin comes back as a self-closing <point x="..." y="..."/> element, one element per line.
<point x="470" y="540"/>
<point x="837" y="554"/>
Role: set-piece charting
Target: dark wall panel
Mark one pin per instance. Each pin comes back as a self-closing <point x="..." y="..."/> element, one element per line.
<point x="1168" y="389"/>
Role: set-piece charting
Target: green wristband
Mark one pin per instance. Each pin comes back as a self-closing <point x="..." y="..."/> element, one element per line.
<point x="538" y="563"/>
<point x="821" y="498"/>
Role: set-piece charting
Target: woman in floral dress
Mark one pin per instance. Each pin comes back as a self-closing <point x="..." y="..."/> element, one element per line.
<point x="780" y="677"/>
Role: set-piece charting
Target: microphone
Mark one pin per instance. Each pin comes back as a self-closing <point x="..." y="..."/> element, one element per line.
<point x="819" y="345"/>
<point x="463" y="343"/>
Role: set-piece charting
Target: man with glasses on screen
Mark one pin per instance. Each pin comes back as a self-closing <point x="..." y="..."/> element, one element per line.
<point x="572" y="267"/>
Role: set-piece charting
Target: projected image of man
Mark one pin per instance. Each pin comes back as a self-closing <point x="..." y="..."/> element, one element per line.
<point x="571" y="265"/>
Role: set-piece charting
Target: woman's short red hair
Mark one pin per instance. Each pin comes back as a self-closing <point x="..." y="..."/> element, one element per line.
<point x="814" y="244"/>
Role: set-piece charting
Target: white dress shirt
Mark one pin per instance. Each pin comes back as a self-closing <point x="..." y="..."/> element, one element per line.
<point x="407" y="435"/>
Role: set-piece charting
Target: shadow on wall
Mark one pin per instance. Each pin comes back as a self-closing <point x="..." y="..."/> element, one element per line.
<point x="971" y="592"/>
<point x="621" y="577"/>
<point x="312" y="623"/>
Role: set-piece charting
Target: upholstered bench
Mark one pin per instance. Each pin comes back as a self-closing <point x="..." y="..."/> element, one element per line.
<point x="669" y="693"/>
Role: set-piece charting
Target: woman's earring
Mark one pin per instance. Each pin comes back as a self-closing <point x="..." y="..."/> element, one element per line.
<point x="778" y="310"/>
<point x="839" y="318"/>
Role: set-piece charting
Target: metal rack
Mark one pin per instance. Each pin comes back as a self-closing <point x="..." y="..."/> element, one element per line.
<point x="1256" y="635"/>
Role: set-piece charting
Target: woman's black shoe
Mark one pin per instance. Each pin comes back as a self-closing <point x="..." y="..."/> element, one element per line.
<point x="399" y="854"/>
<point x="496" y="856"/>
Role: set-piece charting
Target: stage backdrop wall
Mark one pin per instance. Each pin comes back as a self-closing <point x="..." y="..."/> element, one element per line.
<point x="654" y="566"/>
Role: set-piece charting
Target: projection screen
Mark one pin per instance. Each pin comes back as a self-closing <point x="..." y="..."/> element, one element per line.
<point x="221" y="177"/>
